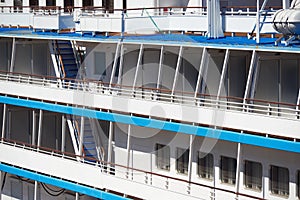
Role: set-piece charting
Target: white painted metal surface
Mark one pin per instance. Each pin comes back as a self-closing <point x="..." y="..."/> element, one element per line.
<point x="90" y="174"/>
<point x="261" y="118"/>
<point x="53" y="22"/>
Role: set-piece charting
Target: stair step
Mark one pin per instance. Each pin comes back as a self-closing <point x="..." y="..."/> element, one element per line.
<point x="89" y="143"/>
<point x="63" y="42"/>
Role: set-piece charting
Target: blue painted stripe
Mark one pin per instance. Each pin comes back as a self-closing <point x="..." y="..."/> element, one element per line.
<point x="230" y="136"/>
<point x="59" y="183"/>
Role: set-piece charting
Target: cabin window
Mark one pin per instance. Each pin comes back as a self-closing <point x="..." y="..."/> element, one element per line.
<point x="51" y="3"/>
<point x="100" y="63"/>
<point x="87" y="3"/>
<point x="18" y="3"/>
<point x="228" y="170"/>
<point x="33" y="2"/>
<point x="2" y="1"/>
<point x="253" y="175"/>
<point x="182" y="160"/>
<point x="162" y="156"/>
<point x="279" y="180"/>
<point x="205" y="166"/>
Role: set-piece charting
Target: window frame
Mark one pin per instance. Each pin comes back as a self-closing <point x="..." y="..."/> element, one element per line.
<point x="249" y="176"/>
<point x="205" y="170"/>
<point x="162" y="157"/>
<point x="231" y="174"/>
<point x="182" y="160"/>
<point x="277" y="191"/>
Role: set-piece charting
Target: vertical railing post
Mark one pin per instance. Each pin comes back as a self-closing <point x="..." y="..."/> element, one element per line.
<point x="3" y="121"/>
<point x="257" y="22"/>
<point x="33" y="142"/>
<point x="63" y="133"/>
<point x="81" y="136"/>
<point x="40" y="129"/>
<point x="110" y="136"/>
<point x="123" y="24"/>
<point x="128" y="149"/>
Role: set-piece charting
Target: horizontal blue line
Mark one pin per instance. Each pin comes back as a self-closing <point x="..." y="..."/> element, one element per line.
<point x="59" y="183"/>
<point x="230" y="136"/>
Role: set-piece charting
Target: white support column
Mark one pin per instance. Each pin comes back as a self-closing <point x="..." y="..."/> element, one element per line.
<point x="81" y="136"/>
<point x="36" y="190"/>
<point x="40" y="129"/>
<point x="63" y="133"/>
<point x="204" y="76"/>
<point x="177" y="69"/>
<point x="238" y="167"/>
<point x="250" y="74"/>
<point x="33" y="142"/>
<point x="297" y="105"/>
<point x="192" y="137"/>
<point x="138" y="65"/>
<point x="13" y="55"/>
<point x="257" y="22"/>
<point x="285" y="4"/>
<point x="36" y="184"/>
<point x="4" y="121"/>
<point x="128" y="148"/>
<point x="121" y="64"/>
<point x="200" y="74"/>
<point x="214" y="19"/>
<point x="161" y="60"/>
<point x="255" y="76"/>
<point x="113" y="71"/>
<point x="110" y="136"/>
<point x="224" y="70"/>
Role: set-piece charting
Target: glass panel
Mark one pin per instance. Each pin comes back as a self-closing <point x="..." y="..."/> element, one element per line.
<point x="182" y="160"/>
<point x="279" y="180"/>
<point x="162" y="156"/>
<point x="253" y="175"/>
<point x="205" y="166"/>
<point x="228" y="170"/>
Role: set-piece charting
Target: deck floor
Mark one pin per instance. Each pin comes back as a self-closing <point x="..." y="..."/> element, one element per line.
<point x="235" y="42"/>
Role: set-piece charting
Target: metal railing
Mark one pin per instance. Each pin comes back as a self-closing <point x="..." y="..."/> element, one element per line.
<point x="123" y="172"/>
<point x="269" y="108"/>
<point x="93" y="10"/>
<point x="37" y="10"/>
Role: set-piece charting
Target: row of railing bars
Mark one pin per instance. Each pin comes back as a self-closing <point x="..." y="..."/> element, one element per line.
<point x="121" y="171"/>
<point x="195" y="10"/>
<point x="284" y="110"/>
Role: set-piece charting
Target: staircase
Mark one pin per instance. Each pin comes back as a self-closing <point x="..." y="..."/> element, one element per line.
<point x="89" y="145"/>
<point x="64" y="60"/>
<point x="92" y="147"/>
<point x="66" y="63"/>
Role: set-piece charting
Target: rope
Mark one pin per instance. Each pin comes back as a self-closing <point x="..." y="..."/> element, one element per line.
<point x="152" y="20"/>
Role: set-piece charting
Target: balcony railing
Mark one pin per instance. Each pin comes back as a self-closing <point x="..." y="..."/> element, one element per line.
<point x="269" y="108"/>
<point x="126" y="173"/>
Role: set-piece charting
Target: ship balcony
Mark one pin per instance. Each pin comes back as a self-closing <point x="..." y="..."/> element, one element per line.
<point x="45" y="164"/>
<point x="168" y="19"/>
<point x="263" y="117"/>
<point x="137" y="21"/>
<point x="38" y="18"/>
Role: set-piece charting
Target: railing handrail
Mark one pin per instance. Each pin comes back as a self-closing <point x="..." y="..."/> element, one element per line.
<point x="56" y="48"/>
<point x="93" y="8"/>
<point x="161" y="91"/>
<point x="72" y="156"/>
